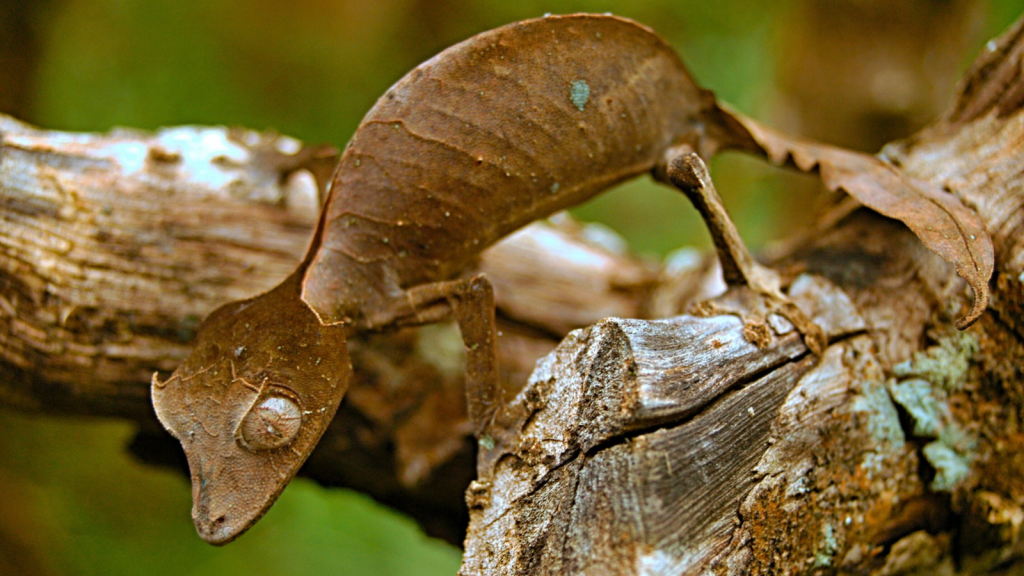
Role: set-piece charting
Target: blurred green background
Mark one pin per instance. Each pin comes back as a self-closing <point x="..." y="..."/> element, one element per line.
<point x="71" y="501"/>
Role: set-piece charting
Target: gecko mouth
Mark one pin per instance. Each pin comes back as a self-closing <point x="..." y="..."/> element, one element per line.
<point x="218" y="531"/>
<point x="214" y="532"/>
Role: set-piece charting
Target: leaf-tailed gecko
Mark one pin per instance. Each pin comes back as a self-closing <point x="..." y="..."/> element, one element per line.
<point x="493" y="133"/>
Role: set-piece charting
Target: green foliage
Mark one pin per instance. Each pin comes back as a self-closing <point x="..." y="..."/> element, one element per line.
<point x="81" y="506"/>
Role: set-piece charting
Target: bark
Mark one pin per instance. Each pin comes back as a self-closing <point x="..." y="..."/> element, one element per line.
<point x="115" y="246"/>
<point x="637" y="446"/>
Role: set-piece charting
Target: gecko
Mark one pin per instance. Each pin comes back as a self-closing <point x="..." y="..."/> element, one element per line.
<point x="498" y="131"/>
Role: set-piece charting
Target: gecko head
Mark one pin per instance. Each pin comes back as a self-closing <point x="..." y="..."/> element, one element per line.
<point x="250" y="403"/>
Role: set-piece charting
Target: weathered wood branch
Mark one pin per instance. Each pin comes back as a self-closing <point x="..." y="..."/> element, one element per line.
<point x="117" y="245"/>
<point x="665" y="446"/>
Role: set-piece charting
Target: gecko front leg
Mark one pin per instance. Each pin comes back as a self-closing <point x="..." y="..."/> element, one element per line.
<point x="686" y="171"/>
<point x="470" y="302"/>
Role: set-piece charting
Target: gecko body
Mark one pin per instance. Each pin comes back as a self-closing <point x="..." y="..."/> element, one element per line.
<point x="500" y="130"/>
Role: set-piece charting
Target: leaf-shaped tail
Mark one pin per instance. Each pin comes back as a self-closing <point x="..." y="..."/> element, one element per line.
<point x="936" y="216"/>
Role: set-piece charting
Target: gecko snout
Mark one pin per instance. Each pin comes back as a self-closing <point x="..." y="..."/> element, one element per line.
<point x="216" y="530"/>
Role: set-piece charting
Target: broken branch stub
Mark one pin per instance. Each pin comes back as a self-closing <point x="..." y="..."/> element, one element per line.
<point x="635" y="442"/>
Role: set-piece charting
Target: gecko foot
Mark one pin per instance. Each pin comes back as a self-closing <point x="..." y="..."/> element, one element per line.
<point x="764" y="315"/>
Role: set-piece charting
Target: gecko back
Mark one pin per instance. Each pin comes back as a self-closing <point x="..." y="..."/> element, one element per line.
<point x="495" y="132"/>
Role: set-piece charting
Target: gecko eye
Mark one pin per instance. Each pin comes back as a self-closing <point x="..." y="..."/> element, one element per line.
<point x="272" y="423"/>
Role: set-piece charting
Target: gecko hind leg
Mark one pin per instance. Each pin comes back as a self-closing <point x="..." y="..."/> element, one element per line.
<point x="686" y="171"/>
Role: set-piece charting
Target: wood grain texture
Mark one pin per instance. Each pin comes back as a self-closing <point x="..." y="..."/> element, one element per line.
<point x="659" y="438"/>
<point x="466" y="148"/>
<point x="631" y="501"/>
<point x="116" y="245"/>
<point x="901" y="437"/>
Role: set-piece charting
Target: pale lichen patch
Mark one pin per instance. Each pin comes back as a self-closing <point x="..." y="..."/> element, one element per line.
<point x="945" y="364"/>
<point x="950" y="466"/>
<point x="925" y="405"/>
<point x="579" y="94"/>
<point x="828" y="546"/>
<point x="879" y="415"/>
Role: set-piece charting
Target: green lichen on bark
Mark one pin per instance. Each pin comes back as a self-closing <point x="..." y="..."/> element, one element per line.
<point x="946" y="364"/>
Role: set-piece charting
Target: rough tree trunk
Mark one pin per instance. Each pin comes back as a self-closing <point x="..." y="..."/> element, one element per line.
<point x="663" y="446"/>
<point x="676" y="446"/>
